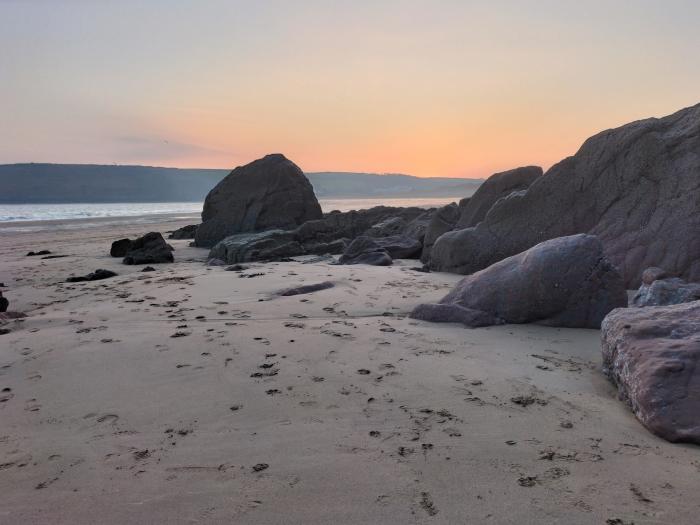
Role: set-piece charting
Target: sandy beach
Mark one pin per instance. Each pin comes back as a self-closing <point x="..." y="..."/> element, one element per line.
<point x="192" y="394"/>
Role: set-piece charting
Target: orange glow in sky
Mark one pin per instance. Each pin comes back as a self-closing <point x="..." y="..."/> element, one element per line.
<point x="442" y="88"/>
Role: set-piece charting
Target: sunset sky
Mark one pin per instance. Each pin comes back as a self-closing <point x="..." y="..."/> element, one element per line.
<point x="430" y="88"/>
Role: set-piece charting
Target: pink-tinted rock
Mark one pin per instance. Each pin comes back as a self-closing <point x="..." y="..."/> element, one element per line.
<point x="652" y="355"/>
<point x="560" y="282"/>
<point x="635" y="188"/>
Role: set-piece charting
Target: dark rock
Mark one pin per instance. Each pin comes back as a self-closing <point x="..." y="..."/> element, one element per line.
<point x="326" y="248"/>
<point x="400" y="246"/>
<point x="9" y="316"/>
<point x="54" y="257"/>
<point x="97" y="275"/>
<point x="4" y="303"/>
<point x="352" y="224"/>
<point x="120" y="247"/>
<point x="186" y="232"/>
<point x="662" y="292"/>
<point x="494" y="188"/>
<point x="635" y="187"/>
<point x="329" y="235"/>
<point x="653" y="356"/>
<point x="306" y="288"/>
<point x="149" y="249"/>
<point x="236" y="268"/>
<point x="417" y="228"/>
<point x="365" y="250"/>
<point x="247" y="247"/>
<point x="560" y="282"/>
<point x="41" y="252"/>
<point x="387" y="227"/>
<point x="454" y="313"/>
<point x="442" y="221"/>
<point x="148" y="269"/>
<point x="269" y="193"/>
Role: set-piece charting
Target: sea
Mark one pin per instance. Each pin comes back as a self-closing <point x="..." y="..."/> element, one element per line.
<point x="31" y="216"/>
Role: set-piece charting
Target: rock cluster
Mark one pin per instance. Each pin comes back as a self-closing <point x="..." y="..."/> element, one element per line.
<point x="332" y="234"/>
<point x="149" y="249"/>
<point x="635" y="187"/>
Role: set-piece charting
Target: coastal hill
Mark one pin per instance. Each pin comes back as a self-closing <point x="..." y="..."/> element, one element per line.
<point x="56" y="183"/>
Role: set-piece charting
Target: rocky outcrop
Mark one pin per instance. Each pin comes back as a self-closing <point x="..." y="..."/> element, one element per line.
<point x="560" y="282"/>
<point x="149" y="249"/>
<point x="494" y="188"/>
<point x="652" y="355"/>
<point x="269" y="193"/>
<point x="186" y="232"/>
<point x="329" y="235"/>
<point x="661" y="290"/>
<point x="365" y="250"/>
<point x="637" y="188"/>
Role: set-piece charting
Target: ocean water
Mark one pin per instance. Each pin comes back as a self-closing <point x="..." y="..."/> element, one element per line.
<point x="128" y="211"/>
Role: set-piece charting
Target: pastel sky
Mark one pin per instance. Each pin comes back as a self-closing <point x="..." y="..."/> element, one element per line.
<point x="430" y="88"/>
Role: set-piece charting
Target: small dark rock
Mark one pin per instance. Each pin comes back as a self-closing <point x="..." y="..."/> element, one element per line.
<point x="97" y="275"/>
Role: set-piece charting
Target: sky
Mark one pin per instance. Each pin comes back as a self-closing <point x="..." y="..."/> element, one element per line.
<point x="430" y="88"/>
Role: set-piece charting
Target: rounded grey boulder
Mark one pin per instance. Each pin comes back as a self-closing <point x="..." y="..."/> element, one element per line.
<point x="269" y="193"/>
<point x="561" y="282"/>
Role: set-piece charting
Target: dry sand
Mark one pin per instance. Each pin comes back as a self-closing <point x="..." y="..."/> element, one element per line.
<point x="331" y="407"/>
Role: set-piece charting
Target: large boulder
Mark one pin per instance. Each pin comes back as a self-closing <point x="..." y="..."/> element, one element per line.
<point x="494" y="188"/>
<point x="365" y="250"/>
<point x="635" y="187"/>
<point x="149" y="249"/>
<point x="269" y="193"/>
<point x="665" y="291"/>
<point x="560" y="282"/>
<point x="653" y="356"/>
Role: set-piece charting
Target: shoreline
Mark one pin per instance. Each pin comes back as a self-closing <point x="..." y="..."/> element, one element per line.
<point x="67" y="224"/>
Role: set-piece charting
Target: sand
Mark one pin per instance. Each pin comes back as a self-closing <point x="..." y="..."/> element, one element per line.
<point x="197" y="395"/>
